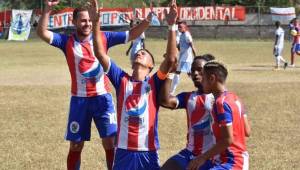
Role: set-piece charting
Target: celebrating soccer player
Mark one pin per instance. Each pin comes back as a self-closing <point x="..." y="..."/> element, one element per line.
<point x="229" y="126"/>
<point x="137" y="98"/>
<point x="198" y="108"/>
<point x="91" y="98"/>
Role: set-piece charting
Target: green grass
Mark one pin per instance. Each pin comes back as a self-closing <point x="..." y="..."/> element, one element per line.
<point x="35" y="91"/>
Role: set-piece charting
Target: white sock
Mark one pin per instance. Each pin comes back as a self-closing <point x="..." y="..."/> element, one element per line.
<point x="277" y="61"/>
<point x="175" y="82"/>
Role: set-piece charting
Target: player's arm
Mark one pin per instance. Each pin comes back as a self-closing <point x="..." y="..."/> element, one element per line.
<point x="224" y="142"/>
<point x="42" y="28"/>
<point x="193" y="48"/>
<point x="136" y="31"/>
<point x="99" y="49"/>
<point x="127" y="52"/>
<point x="247" y="126"/>
<point x="171" y="52"/>
<point x="166" y="99"/>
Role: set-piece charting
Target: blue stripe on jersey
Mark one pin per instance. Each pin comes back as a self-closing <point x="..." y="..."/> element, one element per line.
<point x="226" y="116"/>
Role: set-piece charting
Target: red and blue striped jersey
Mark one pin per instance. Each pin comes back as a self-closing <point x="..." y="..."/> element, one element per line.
<point x="87" y="75"/>
<point x="199" y="120"/>
<point x="228" y="111"/>
<point x="137" y="110"/>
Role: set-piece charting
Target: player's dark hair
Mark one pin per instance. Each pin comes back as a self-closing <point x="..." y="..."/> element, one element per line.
<point x="206" y="57"/>
<point x="277" y="24"/>
<point x="78" y="10"/>
<point x="216" y="68"/>
<point x="181" y="22"/>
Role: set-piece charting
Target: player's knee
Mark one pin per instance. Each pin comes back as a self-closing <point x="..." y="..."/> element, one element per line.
<point x="108" y="142"/>
<point x="76" y="146"/>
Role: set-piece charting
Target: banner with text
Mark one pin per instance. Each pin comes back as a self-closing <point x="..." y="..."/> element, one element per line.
<point x="20" y="26"/>
<point x="122" y="16"/>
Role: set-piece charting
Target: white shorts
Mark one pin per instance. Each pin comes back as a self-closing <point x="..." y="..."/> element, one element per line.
<point x="184" y="67"/>
<point x="278" y="51"/>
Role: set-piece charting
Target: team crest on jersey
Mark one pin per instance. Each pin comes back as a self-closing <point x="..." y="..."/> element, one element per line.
<point x="74" y="127"/>
<point x="147" y="88"/>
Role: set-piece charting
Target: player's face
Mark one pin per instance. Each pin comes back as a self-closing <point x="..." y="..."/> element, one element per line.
<point x="196" y="72"/>
<point x="206" y="83"/>
<point x="83" y="23"/>
<point x="143" y="58"/>
<point x="182" y="27"/>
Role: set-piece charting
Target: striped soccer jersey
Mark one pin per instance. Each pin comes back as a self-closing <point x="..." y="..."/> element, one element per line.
<point x="137" y="110"/>
<point x="198" y="108"/>
<point x="87" y="76"/>
<point x="228" y="111"/>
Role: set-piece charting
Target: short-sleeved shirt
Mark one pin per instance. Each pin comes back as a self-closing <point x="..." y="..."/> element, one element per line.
<point x="280" y="34"/>
<point x="137" y="110"/>
<point x="228" y="111"/>
<point x="198" y="109"/>
<point x="186" y="53"/>
<point x="87" y="76"/>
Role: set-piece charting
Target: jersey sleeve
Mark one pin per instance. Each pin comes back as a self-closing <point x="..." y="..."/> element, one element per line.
<point x="59" y="41"/>
<point x="116" y="38"/>
<point x="182" y="100"/>
<point x="115" y="74"/>
<point x="224" y="114"/>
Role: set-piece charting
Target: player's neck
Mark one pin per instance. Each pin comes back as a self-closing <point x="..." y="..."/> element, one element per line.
<point x="219" y="90"/>
<point x="82" y="38"/>
<point x="139" y="73"/>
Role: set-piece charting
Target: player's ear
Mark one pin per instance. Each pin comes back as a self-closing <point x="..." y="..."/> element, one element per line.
<point x="212" y="78"/>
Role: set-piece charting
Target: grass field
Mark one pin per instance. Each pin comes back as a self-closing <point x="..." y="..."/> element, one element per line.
<point x="35" y="90"/>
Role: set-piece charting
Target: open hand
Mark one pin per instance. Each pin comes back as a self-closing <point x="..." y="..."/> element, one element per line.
<point x="171" y="17"/>
<point x="93" y="10"/>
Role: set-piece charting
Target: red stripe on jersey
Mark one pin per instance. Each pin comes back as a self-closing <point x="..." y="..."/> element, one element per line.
<point x="152" y="114"/>
<point x="133" y="123"/>
<point x="198" y="143"/>
<point x="120" y="99"/>
<point x="85" y="64"/>
<point x="71" y="64"/>
<point x="199" y="110"/>
<point x="106" y="79"/>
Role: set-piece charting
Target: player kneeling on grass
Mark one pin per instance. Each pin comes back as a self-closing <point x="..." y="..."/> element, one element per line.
<point x="278" y="46"/>
<point x="137" y="98"/>
<point x="198" y="108"/>
<point x="230" y="125"/>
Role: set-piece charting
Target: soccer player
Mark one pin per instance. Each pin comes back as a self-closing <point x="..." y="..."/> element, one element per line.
<point x="229" y="127"/>
<point x="136" y="44"/>
<point x="90" y="98"/>
<point x="295" y="31"/>
<point x="198" y="108"/>
<point x="186" y="54"/>
<point x="137" y="98"/>
<point x="278" y="46"/>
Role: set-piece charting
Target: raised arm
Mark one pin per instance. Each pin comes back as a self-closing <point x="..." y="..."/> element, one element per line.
<point x="166" y="99"/>
<point x="42" y="28"/>
<point x="99" y="49"/>
<point x="171" y="52"/>
<point x="136" y="31"/>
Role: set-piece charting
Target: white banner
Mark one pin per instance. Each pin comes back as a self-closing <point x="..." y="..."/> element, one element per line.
<point x="284" y="15"/>
<point x="20" y="26"/>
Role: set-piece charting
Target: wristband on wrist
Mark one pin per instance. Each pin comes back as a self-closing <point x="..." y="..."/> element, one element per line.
<point x="172" y="27"/>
